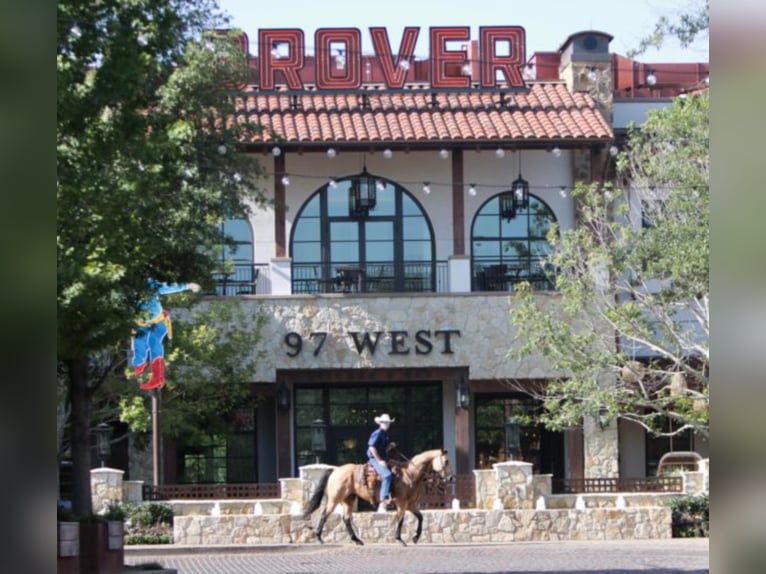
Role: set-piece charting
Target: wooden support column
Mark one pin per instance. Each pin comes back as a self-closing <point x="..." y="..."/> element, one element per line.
<point x="458" y="205"/>
<point x="284" y="452"/>
<point x="462" y="441"/>
<point x="575" y="453"/>
<point x="280" y="215"/>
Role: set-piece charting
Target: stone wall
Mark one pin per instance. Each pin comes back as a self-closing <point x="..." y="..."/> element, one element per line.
<point x="439" y="527"/>
<point x="339" y="315"/>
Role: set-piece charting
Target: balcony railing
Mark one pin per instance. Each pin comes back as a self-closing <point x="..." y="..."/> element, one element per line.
<point x="379" y="277"/>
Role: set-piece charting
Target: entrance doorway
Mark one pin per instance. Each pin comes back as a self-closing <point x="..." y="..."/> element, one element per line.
<point x="349" y="411"/>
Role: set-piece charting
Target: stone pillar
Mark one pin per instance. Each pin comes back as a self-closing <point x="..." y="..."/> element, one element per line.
<point x="310" y="476"/>
<point x="601" y="449"/>
<point x="291" y="489"/>
<point x="486" y="488"/>
<point x="105" y="488"/>
<point x="281" y="276"/>
<point x="132" y="490"/>
<point x="515" y="485"/>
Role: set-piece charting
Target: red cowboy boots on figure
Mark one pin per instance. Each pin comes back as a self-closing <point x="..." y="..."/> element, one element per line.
<point x="158" y="375"/>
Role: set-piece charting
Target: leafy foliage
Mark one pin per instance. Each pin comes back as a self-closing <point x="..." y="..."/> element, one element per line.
<point x="630" y="328"/>
<point x="691" y="516"/>
<point x="148" y="523"/>
<point x="146" y="171"/>
<point x="686" y="28"/>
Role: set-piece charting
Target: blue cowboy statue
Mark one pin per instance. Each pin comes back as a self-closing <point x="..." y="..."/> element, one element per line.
<point x="152" y="328"/>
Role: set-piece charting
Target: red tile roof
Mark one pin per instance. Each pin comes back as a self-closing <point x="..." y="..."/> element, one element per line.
<point x="548" y="112"/>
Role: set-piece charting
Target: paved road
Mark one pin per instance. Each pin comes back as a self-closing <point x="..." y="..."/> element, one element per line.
<point x="688" y="556"/>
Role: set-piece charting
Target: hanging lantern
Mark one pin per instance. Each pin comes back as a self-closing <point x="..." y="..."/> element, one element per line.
<point x="520" y="190"/>
<point x="362" y="195"/>
<point x="507" y="206"/>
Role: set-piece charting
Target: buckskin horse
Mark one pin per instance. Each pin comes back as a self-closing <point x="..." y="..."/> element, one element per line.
<point x="346" y="483"/>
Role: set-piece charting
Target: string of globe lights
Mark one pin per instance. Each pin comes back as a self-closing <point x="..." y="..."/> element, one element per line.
<point x="472" y="188"/>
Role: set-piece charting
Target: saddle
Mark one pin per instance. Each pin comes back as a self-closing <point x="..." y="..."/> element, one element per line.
<point x="366" y="476"/>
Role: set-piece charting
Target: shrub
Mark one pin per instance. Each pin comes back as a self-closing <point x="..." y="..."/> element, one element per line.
<point x="148" y="523"/>
<point x="691" y="516"/>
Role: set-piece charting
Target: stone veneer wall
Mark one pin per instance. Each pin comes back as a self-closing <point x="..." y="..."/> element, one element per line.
<point x="439" y="526"/>
<point x="337" y="315"/>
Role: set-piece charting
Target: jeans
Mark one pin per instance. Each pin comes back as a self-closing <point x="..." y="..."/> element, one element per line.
<point x="385" y="475"/>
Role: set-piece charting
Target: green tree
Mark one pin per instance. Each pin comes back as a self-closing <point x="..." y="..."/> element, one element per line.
<point x="146" y="168"/>
<point x="629" y="327"/>
<point x="686" y="27"/>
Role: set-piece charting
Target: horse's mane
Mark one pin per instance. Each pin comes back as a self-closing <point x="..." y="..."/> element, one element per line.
<point x="426" y="456"/>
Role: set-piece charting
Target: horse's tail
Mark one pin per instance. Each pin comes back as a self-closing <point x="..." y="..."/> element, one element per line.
<point x="316" y="498"/>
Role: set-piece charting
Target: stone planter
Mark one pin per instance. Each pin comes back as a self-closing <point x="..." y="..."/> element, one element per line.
<point x="101" y="547"/>
<point x="68" y="548"/>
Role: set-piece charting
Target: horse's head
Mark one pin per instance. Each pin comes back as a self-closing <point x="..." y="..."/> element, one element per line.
<point x="440" y="464"/>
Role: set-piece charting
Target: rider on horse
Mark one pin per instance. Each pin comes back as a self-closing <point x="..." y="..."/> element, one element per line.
<point x="377" y="452"/>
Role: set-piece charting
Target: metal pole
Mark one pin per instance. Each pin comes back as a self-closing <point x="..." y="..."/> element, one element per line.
<point x="156" y="454"/>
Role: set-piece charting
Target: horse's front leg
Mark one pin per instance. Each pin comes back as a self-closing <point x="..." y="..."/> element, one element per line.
<point x="347" y="506"/>
<point x="400" y="515"/>
<point x="419" y="516"/>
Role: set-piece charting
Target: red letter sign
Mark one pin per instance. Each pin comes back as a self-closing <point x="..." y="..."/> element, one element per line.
<point x="327" y="66"/>
<point x="393" y="74"/>
<point x="268" y="40"/>
<point x="509" y="65"/>
<point x="440" y="56"/>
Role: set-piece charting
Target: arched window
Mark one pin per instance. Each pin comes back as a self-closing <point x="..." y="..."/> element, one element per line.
<point x="507" y="251"/>
<point x="237" y="273"/>
<point x="389" y="249"/>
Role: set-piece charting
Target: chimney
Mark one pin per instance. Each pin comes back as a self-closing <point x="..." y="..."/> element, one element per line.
<point x="586" y="66"/>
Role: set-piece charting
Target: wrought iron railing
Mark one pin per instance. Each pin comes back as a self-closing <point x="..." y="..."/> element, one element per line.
<point x="439" y="494"/>
<point x="211" y="491"/>
<point x="608" y="485"/>
<point x="378" y="277"/>
<point x="241" y="279"/>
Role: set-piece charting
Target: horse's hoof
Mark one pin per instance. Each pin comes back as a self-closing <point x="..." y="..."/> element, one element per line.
<point x="402" y="541"/>
<point x="415" y="540"/>
<point x="359" y="542"/>
<point x="320" y="540"/>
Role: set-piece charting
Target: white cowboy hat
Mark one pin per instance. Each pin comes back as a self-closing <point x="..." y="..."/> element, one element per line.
<point x="384" y="418"/>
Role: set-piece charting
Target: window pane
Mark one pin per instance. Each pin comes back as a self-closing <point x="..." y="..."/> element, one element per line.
<point x="379" y="230"/>
<point x="486" y="226"/>
<point x="344" y="252"/>
<point x="348" y="395"/>
<point x="311" y="209"/>
<point x="486" y="249"/>
<point x="380" y="251"/>
<point x="344" y="231"/>
<point x="337" y="199"/>
<point x="415" y="228"/>
<point x="516" y="227"/>
<point x="409" y="206"/>
<point x="307" y="252"/>
<point x="387" y="396"/>
<point x="307" y="229"/>
<point x="238" y="229"/>
<point x="417" y="250"/>
<point x="385" y="204"/>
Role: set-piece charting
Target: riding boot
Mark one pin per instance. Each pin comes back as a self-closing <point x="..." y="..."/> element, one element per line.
<point x="140" y="368"/>
<point x="158" y="375"/>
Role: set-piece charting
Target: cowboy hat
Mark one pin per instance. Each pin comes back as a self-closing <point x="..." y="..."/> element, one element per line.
<point x="384" y="418"/>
